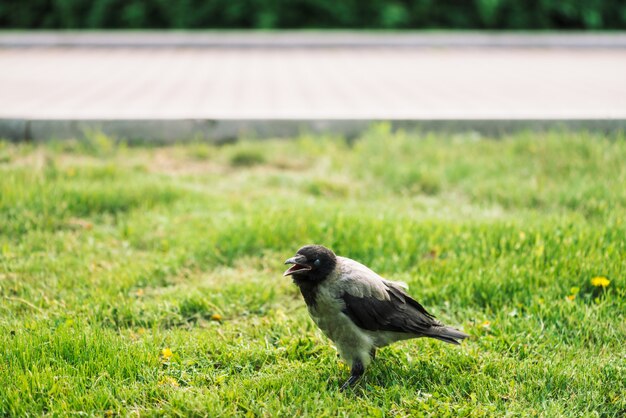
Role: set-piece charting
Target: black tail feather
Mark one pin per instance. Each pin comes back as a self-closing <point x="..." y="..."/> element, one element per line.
<point x="447" y="334"/>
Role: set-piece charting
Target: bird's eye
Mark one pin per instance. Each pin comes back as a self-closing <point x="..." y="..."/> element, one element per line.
<point x="317" y="263"/>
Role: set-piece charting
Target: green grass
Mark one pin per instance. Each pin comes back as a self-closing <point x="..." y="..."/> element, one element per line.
<point x="110" y="254"/>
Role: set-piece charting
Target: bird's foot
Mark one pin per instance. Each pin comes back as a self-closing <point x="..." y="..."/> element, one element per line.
<point x="349" y="383"/>
<point x="355" y="374"/>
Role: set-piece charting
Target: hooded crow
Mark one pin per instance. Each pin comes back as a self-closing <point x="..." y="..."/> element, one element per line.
<point x="359" y="310"/>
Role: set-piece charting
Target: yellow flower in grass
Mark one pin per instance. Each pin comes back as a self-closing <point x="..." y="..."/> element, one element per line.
<point x="574" y="291"/>
<point x="166" y="354"/>
<point x="170" y="381"/>
<point x="600" y="281"/>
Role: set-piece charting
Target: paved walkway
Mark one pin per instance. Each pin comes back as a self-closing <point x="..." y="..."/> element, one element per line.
<point x="313" y="39"/>
<point x="352" y="84"/>
<point x="162" y="82"/>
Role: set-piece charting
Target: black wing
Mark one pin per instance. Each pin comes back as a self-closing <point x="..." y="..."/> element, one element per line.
<point x="398" y="313"/>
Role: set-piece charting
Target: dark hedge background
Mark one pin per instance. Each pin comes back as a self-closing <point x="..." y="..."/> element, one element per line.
<point x="268" y="14"/>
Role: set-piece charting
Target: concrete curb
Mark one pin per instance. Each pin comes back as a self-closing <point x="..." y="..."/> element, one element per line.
<point x="168" y="131"/>
<point x="302" y="39"/>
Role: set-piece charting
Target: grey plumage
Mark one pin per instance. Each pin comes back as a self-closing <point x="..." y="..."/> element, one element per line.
<point x="358" y="309"/>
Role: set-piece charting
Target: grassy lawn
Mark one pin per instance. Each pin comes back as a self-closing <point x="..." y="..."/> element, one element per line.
<point x="147" y="280"/>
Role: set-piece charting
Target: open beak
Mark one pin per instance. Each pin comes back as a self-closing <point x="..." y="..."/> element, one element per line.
<point x="299" y="264"/>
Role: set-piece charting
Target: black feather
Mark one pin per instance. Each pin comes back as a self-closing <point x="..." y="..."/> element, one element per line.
<point x="309" y="290"/>
<point x="399" y="313"/>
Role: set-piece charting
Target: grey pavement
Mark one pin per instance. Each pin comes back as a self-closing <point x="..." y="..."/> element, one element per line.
<point x="312" y="39"/>
<point x="67" y="80"/>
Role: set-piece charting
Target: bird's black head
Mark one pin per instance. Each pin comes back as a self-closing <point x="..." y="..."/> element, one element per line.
<point x="311" y="263"/>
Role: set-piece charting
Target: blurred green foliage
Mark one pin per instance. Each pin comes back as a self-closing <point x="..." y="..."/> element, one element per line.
<point x="268" y="14"/>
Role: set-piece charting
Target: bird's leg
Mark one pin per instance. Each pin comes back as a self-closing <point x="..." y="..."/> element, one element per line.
<point x="355" y="374"/>
<point x="373" y="353"/>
